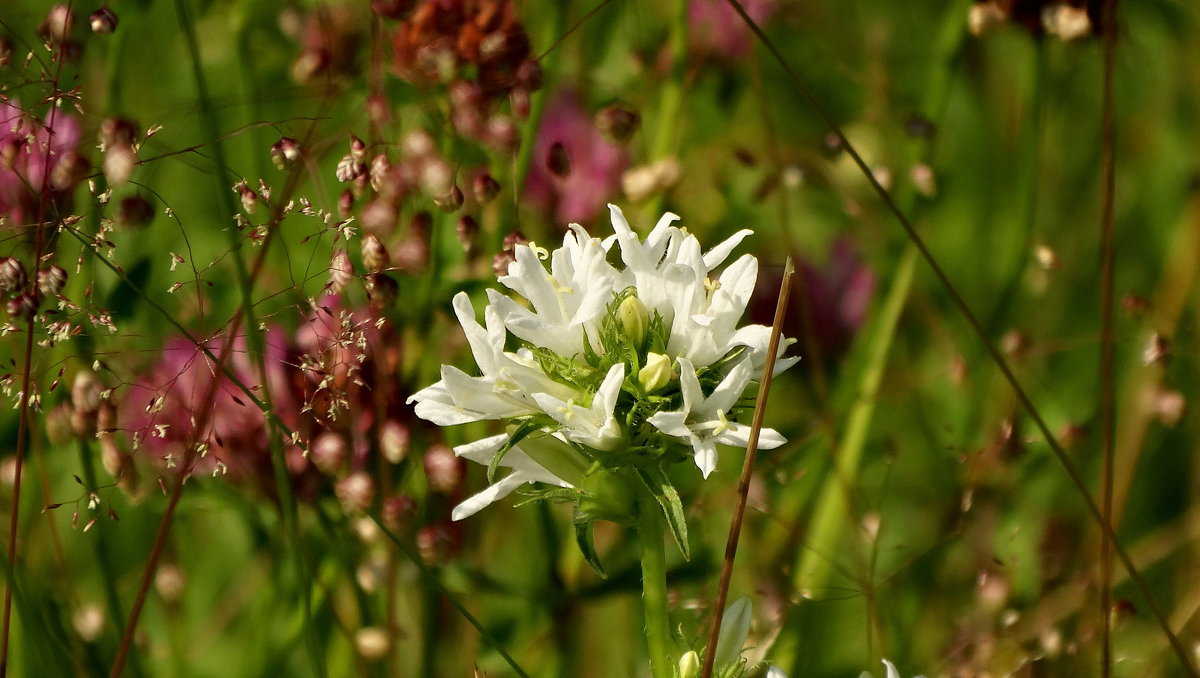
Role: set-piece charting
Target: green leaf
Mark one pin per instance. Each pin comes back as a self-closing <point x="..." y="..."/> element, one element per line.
<point x="587" y="545"/>
<point x="655" y="480"/>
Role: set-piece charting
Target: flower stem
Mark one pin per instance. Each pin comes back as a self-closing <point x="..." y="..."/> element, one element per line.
<point x="654" y="586"/>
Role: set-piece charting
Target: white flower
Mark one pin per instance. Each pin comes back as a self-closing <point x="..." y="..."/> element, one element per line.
<point x="595" y="353"/>
<point x="702" y="421"/>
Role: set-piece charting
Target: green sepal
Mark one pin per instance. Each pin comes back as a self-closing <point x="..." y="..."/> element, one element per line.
<point x="587" y="545"/>
<point x="523" y="429"/>
<point x="558" y="495"/>
<point x="655" y="480"/>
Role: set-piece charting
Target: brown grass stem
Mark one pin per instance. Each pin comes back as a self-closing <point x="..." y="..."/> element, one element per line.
<point x="1108" y="396"/>
<point x="739" y="510"/>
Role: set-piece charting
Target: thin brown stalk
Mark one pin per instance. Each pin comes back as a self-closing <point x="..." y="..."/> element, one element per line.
<point x="26" y="375"/>
<point x="1108" y="396"/>
<point x="574" y="27"/>
<point x="1065" y="461"/>
<point x="235" y="325"/>
<point x="739" y="511"/>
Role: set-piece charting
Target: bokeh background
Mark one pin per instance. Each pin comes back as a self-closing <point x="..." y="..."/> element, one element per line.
<point x="379" y="157"/>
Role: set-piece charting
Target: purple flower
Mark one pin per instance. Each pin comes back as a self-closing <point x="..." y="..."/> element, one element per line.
<point x="593" y="166"/>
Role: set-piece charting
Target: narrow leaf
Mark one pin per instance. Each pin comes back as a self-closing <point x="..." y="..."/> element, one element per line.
<point x="655" y="480"/>
<point x="583" y="538"/>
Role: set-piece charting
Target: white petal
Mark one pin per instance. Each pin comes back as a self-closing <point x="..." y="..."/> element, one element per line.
<point x="605" y="400"/>
<point x="738" y="435"/>
<point x="481" y="451"/>
<point x="689" y="383"/>
<point x="891" y="669"/>
<point x="479" y="339"/>
<point x="727" y="393"/>
<point x="435" y="404"/>
<point x="489" y="495"/>
<point x="716" y="255"/>
<point x="706" y="455"/>
<point x="672" y="424"/>
<point x="478" y="394"/>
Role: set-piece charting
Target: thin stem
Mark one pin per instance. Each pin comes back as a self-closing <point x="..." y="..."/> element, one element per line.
<point x="26" y="375"/>
<point x="739" y="511"/>
<point x="981" y="334"/>
<point x="654" y="586"/>
<point x="1108" y="396"/>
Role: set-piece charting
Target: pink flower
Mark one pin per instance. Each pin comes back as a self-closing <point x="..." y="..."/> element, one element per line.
<point x="186" y="389"/>
<point x="29" y="150"/>
<point x="716" y="28"/>
<point x="594" y="166"/>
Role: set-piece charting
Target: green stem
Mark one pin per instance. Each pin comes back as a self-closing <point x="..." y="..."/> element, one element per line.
<point x="654" y="587"/>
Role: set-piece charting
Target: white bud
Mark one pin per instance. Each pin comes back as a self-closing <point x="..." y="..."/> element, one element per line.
<point x="656" y="374"/>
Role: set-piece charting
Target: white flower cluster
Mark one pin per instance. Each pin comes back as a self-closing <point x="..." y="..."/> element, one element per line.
<point x="592" y="395"/>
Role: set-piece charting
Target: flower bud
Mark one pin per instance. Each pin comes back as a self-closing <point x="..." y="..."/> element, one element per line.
<point x="382" y="290"/>
<point x="117" y="132"/>
<point x="372" y="643"/>
<point x="134" y="211"/>
<point x="985" y="16"/>
<point x="465" y="231"/>
<point x="358" y="148"/>
<point x="51" y="280"/>
<point x="103" y="20"/>
<point x="249" y="198"/>
<point x="443" y="470"/>
<point x="86" y="392"/>
<point x="57" y="25"/>
<point x="486" y="189"/>
<point x="119" y="162"/>
<point x="617" y="123"/>
<point x="355" y="492"/>
<point x="689" y="665"/>
<point x="656" y="374"/>
<point x="634" y="319"/>
<point x="374" y="254"/>
<point x="438" y="543"/>
<point x="328" y="452"/>
<point x="71" y="169"/>
<point x="397" y="511"/>
<point x="502" y="134"/>
<point x="22" y="306"/>
<point x="451" y="201"/>
<point x="341" y="271"/>
<point x="346" y="203"/>
<point x="393" y="441"/>
<point x="285" y="152"/>
<point x="12" y="274"/>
